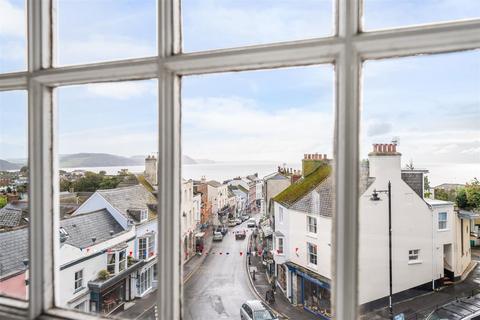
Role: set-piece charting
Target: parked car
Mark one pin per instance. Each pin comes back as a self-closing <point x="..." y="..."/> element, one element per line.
<point x="240" y="235"/>
<point x="251" y="223"/>
<point x="232" y="223"/>
<point x="256" y="310"/>
<point x="217" y="236"/>
<point x="238" y="221"/>
<point x="245" y="217"/>
<point x="222" y="229"/>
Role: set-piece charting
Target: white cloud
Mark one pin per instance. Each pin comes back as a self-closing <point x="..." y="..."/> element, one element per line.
<point x="238" y="129"/>
<point x="121" y="90"/>
<point x="98" y="48"/>
<point x="12" y="20"/>
<point x="228" y="25"/>
<point x="376" y="128"/>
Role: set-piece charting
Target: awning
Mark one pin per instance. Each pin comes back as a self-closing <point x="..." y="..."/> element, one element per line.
<point x="469" y="215"/>
<point x="309" y="275"/>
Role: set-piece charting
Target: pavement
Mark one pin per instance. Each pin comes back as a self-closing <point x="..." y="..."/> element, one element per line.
<point x="261" y="284"/>
<point x="449" y="302"/>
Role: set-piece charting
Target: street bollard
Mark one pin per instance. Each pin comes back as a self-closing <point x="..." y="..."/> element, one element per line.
<point x="253" y="275"/>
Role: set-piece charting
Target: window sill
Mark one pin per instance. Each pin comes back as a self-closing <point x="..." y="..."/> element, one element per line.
<point x="415" y="262"/>
<point x="443" y="230"/>
<point x="78" y="290"/>
<point x="312" y="235"/>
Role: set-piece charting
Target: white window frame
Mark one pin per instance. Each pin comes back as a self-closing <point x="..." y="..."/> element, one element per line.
<point x="310" y="225"/>
<point x="413" y="255"/>
<point x="143" y="215"/>
<point x="311" y="253"/>
<point x="445" y="227"/>
<point x="282" y="240"/>
<point x="142" y="248"/>
<point x="80" y="279"/>
<point x="346" y="49"/>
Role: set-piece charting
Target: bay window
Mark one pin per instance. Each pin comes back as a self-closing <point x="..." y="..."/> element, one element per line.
<point x="347" y="48"/>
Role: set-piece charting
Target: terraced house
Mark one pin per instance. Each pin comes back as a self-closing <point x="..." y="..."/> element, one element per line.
<point x="429" y="240"/>
<point x="132" y="207"/>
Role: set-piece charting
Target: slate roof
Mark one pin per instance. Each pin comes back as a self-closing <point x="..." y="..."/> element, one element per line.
<point x="13" y="250"/>
<point x="414" y="181"/>
<point x="10" y="217"/>
<point x="326" y="199"/>
<point x="276" y="176"/>
<point x="122" y="199"/>
<point x="83" y="227"/>
<point x="214" y="183"/>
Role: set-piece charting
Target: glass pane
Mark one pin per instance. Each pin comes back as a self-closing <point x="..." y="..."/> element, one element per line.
<point x="381" y="14"/>
<point x="252" y="179"/>
<point x="93" y="31"/>
<point x="106" y="131"/>
<point x="13" y="36"/>
<point x="420" y="144"/>
<point x="14" y="213"/>
<point x="215" y="24"/>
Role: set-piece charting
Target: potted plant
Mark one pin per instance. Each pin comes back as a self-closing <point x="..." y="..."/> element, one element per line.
<point x="103" y="274"/>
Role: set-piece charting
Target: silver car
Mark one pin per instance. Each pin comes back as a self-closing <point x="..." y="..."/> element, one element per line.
<point x="256" y="310"/>
<point x="217" y="236"/>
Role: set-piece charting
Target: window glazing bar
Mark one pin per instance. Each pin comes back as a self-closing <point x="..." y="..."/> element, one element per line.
<point x="40" y="161"/>
<point x="14" y="81"/>
<point x="132" y="69"/>
<point x="345" y="224"/>
<point x="169" y="266"/>
<point x="435" y="38"/>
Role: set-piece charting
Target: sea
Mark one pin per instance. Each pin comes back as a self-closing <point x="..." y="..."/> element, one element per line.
<point x="219" y="171"/>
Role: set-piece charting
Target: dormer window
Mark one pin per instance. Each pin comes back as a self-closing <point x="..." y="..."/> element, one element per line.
<point x="143" y="215"/>
<point x="140" y="215"/>
<point x="63" y="235"/>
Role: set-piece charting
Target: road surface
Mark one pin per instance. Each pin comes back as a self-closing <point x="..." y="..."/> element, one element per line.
<point x="220" y="286"/>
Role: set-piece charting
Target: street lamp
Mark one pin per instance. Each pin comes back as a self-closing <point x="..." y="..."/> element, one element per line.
<point x="375" y="197"/>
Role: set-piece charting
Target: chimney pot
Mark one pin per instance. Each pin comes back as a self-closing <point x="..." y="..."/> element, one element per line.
<point x="394" y="148"/>
<point x="305" y="156"/>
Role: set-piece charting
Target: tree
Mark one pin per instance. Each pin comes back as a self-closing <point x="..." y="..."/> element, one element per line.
<point x="426" y="187"/>
<point x="461" y="200"/>
<point x="65" y="185"/>
<point x="472" y="190"/>
<point x="3" y="201"/>
<point x="102" y="172"/>
<point x="441" y="194"/>
<point x="24" y="169"/>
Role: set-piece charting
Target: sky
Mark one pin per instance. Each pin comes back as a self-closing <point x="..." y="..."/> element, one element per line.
<point x="432" y="103"/>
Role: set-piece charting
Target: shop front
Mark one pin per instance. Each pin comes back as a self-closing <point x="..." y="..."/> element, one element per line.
<point x="313" y="289"/>
<point x="109" y="296"/>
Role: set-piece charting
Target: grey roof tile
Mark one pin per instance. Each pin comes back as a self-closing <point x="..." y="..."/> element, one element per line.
<point x="10" y="217"/>
<point x="13" y="251"/>
<point x="134" y="197"/>
<point x="83" y="227"/>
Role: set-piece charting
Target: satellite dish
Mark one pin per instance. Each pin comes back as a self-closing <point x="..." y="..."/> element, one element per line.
<point x="396" y="140"/>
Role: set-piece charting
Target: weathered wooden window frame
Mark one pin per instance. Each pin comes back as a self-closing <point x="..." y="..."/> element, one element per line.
<point x="346" y="49"/>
